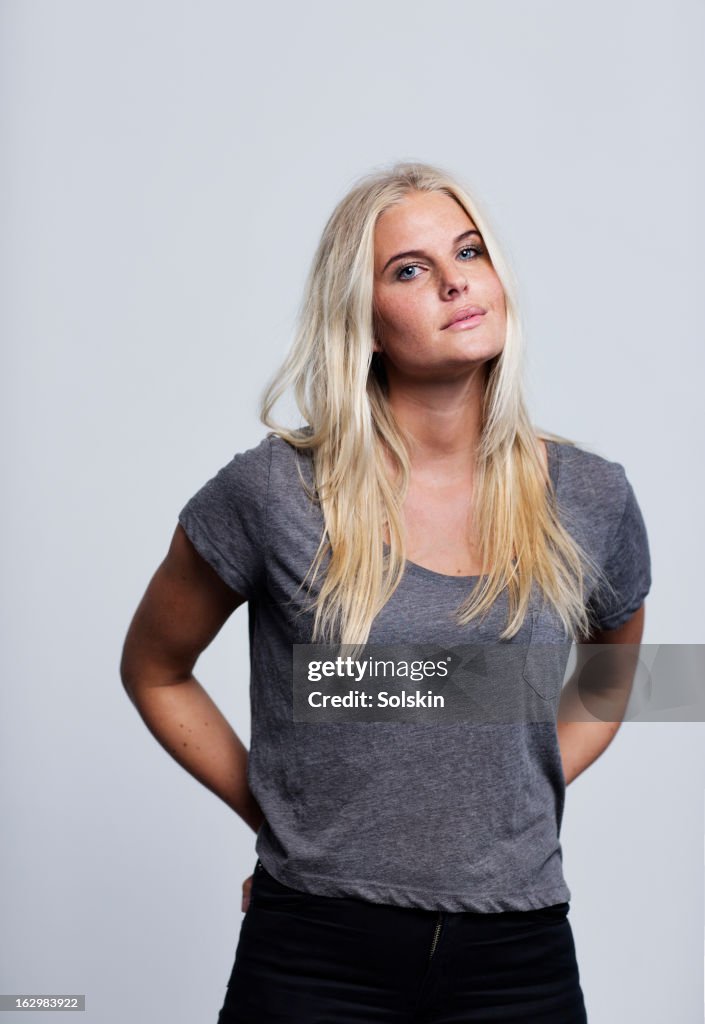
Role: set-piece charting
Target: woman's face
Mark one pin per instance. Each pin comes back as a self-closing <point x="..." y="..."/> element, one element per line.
<point x="444" y="269"/>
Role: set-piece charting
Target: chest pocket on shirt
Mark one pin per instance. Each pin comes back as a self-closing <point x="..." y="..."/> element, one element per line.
<point x="547" y="654"/>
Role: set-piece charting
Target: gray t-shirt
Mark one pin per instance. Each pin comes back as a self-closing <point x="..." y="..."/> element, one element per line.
<point x="446" y="817"/>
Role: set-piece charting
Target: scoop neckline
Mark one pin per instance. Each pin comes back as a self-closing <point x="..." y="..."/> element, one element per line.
<point x="553" y="454"/>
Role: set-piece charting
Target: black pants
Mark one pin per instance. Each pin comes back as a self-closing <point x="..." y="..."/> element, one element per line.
<point x="305" y="959"/>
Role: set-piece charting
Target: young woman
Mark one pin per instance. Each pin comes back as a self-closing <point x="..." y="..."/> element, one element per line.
<point x="405" y="871"/>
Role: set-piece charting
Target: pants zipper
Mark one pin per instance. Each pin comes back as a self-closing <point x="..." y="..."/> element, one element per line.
<point x="436" y="933"/>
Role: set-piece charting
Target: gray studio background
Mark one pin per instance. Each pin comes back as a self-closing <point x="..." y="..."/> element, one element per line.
<point x="168" y="168"/>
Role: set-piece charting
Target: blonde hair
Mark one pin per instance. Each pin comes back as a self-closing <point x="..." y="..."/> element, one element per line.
<point x="340" y="392"/>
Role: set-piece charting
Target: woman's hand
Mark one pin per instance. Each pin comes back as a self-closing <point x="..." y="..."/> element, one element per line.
<point x="246" y="887"/>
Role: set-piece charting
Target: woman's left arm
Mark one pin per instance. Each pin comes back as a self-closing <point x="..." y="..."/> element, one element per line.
<point x="597" y="692"/>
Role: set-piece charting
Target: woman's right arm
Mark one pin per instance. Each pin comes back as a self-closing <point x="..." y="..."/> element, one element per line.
<point x="183" y="609"/>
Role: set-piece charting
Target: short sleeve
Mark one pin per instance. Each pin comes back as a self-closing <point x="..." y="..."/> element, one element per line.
<point x="627" y="567"/>
<point x="226" y="520"/>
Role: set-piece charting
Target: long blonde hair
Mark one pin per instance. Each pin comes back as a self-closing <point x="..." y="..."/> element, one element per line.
<point x="341" y="393"/>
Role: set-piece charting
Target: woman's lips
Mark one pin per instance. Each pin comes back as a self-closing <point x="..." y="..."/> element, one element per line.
<point x="468" y="322"/>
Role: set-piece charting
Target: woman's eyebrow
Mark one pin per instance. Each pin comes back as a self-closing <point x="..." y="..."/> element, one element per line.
<point x="420" y="252"/>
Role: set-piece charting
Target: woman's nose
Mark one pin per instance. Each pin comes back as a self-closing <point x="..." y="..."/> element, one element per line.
<point x="453" y="280"/>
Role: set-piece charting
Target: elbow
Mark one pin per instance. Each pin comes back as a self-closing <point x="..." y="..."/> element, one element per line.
<point x="129" y="675"/>
<point x="134" y="670"/>
<point x="139" y="673"/>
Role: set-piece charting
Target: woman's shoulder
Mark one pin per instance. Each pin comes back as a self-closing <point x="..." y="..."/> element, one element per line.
<point x="291" y="473"/>
<point x="284" y="451"/>
<point x="275" y="446"/>
<point x="594" y="495"/>
<point x="582" y="469"/>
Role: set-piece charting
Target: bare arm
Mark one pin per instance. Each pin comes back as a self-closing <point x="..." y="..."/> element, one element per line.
<point x="183" y="609"/>
<point x="582" y="736"/>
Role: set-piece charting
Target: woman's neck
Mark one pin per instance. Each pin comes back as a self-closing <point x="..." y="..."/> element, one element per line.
<point x="445" y="428"/>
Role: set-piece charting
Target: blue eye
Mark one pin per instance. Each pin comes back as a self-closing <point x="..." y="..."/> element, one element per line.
<point x="475" y="249"/>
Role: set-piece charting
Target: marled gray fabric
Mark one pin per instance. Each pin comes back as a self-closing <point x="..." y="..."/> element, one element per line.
<point x="442" y="817"/>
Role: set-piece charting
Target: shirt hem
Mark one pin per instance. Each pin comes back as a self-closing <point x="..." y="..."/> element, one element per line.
<point x="371" y="891"/>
